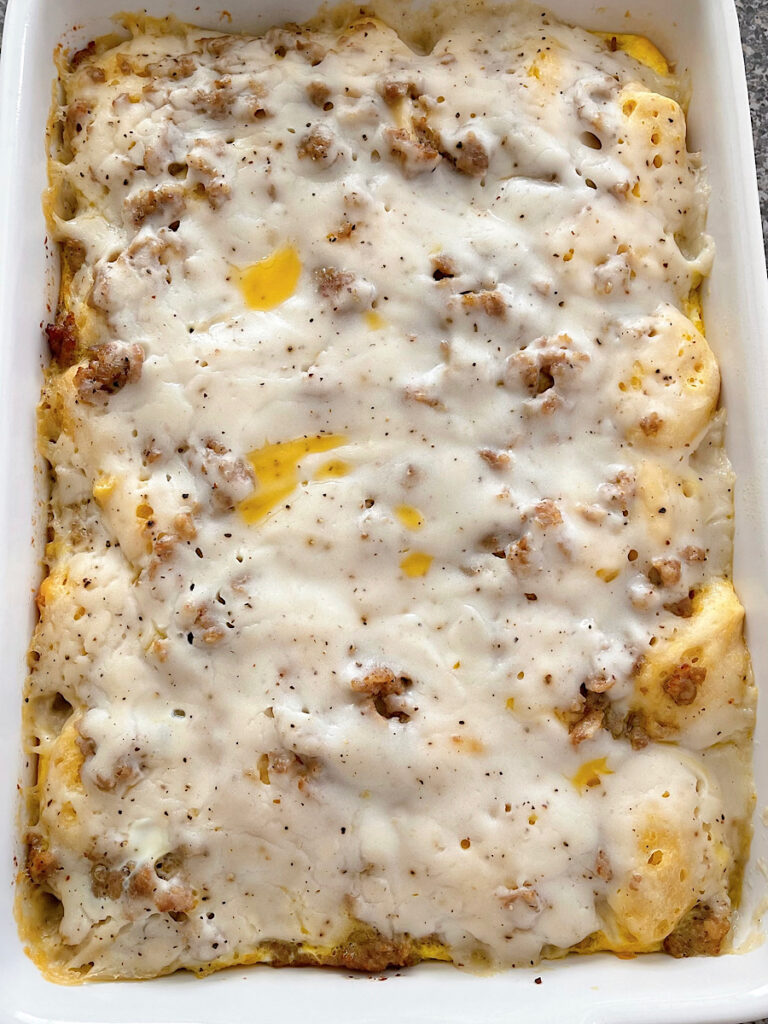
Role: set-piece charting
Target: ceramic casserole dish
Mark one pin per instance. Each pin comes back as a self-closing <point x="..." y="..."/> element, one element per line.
<point x="702" y="37"/>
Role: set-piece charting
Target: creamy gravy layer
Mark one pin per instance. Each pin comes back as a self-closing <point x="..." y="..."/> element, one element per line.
<point x="389" y="588"/>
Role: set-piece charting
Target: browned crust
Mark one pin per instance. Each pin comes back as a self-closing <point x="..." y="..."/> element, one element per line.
<point x="362" y="950"/>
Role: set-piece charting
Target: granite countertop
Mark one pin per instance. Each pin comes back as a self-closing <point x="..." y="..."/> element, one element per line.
<point x="753" y="16"/>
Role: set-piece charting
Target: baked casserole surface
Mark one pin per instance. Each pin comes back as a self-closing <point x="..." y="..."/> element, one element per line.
<point x="387" y="612"/>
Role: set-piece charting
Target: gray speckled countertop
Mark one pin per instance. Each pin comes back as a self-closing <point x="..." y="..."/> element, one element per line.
<point x="753" y="15"/>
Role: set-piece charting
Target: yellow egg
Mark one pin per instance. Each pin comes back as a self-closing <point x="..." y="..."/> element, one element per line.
<point x="271" y="281"/>
<point x="333" y="468"/>
<point x="607" y="575"/>
<point x="409" y="516"/>
<point x="642" y="49"/>
<point x="275" y="466"/>
<point x="416" y="564"/>
<point x="589" y="773"/>
<point x="103" y="487"/>
<point x="374" y="320"/>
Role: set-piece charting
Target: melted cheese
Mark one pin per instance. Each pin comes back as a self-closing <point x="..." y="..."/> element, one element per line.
<point x="372" y="617"/>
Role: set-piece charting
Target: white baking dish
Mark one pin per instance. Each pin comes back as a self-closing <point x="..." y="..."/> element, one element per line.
<point x="702" y="35"/>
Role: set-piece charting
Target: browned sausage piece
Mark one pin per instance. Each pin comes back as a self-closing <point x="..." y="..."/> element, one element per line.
<point x="700" y="933"/>
<point x="62" y="340"/>
<point x="110" y="368"/>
